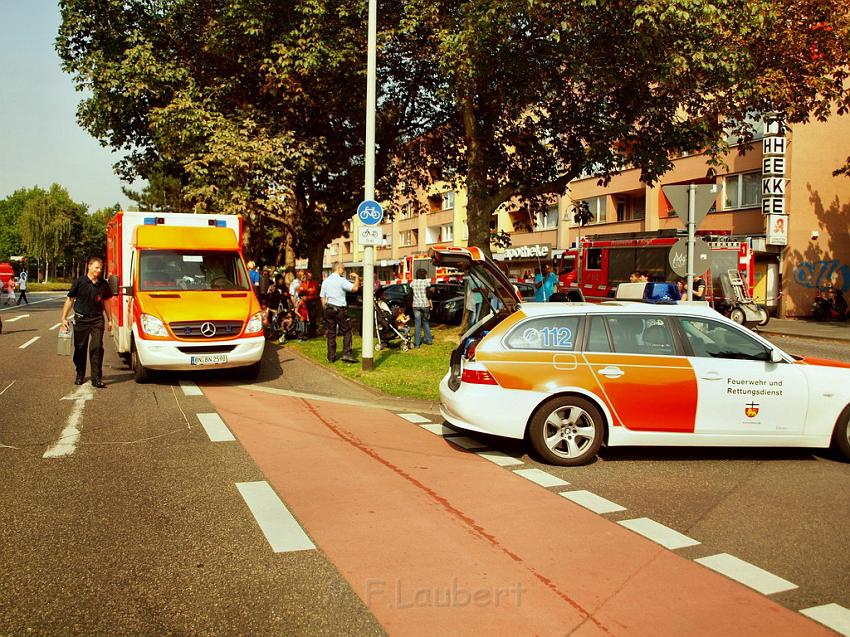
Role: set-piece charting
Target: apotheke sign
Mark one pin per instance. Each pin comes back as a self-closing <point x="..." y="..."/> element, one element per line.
<point x="528" y="252"/>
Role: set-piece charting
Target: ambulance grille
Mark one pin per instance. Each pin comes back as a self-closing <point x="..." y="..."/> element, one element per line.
<point x="193" y="329"/>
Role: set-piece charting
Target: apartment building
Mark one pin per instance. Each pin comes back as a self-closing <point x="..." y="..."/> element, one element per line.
<point x="780" y="197"/>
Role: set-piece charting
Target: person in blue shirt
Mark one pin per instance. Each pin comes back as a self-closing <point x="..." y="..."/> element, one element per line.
<point x="254" y="275"/>
<point x="332" y="294"/>
<point x="546" y="284"/>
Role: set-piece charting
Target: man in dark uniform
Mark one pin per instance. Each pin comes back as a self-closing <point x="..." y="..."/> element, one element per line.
<point x="87" y="294"/>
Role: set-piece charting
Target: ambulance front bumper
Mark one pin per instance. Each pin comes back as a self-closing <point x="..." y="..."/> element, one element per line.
<point x="187" y="355"/>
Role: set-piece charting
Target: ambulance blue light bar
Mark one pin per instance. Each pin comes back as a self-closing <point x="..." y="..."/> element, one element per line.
<point x="154" y="221"/>
<point x="218" y="223"/>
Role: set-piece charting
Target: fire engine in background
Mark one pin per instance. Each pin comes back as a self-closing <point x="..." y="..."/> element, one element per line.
<point x="183" y="299"/>
<point x="602" y="263"/>
<point x="407" y="267"/>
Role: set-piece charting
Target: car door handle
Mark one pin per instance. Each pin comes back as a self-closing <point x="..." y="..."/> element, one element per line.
<point x="712" y="376"/>
<point x="611" y="372"/>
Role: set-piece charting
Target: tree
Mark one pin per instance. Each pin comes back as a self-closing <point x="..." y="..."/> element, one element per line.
<point x="10" y="211"/>
<point x="533" y="94"/>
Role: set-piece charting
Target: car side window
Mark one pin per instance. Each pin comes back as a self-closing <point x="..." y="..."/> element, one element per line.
<point x="597" y="338"/>
<point x="642" y="335"/>
<point x="713" y="339"/>
<point x="556" y="333"/>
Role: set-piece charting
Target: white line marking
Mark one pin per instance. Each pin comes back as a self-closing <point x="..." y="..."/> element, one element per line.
<point x="6" y="387"/>
<point x="55" y="326"/>
<point x="215" y="427"/>
<point x="663" y="535"/>
<point x="281" y="529"/>
<point x="15" y="308"/>
<point x="748" y="574"/>
<point x="832" y="616"/>
<point x="328" y="399"/>
<point x="466" y="443"/>
<point x="70" y="436"/>
<point x="440" y="430"/>
<point x="501" y="459"/>
<point x="190" y="388"/>
<point x="414" y="418"/>
<point x="595" y="503"/>
<point x="29" y="342"/>
<point x="17" y="318"/>
<point x="541" y="477"/>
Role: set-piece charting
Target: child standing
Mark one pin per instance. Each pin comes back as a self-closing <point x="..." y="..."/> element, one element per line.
<point x="10" y="290"/>
<point x="303" y="319"/>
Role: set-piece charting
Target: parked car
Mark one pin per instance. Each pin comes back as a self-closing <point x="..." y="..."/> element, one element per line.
<point x="570" y="377"/>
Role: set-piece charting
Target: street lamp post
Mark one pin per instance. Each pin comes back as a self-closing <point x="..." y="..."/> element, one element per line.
<point x="368" y="253"/>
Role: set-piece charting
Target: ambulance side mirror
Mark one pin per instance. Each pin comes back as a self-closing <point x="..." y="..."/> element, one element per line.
<point x="775" y="356"/>
<point x="113" y="284"/>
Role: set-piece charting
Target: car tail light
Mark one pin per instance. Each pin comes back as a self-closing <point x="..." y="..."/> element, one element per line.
<point x="478" y="377"/>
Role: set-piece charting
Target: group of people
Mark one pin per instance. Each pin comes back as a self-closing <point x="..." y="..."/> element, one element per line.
<point x="288" y="294"/>
<point x="697" y="292"/>
<point x="21" y="282"/>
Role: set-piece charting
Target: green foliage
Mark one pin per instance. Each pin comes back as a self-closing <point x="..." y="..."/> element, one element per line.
<point x="10" y="235"/>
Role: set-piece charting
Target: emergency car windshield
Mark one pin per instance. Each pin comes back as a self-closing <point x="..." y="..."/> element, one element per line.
<point x="191" y="270"/>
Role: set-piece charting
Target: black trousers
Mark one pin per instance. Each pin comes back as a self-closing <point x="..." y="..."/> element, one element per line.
<point x="23" y="297"/>
<point x="336" y="320"/>
<point x="314" y="308"/>
<point x="88" y="335"/>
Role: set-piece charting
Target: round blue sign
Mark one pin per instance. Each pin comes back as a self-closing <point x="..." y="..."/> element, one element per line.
<point x="370" y="212"/>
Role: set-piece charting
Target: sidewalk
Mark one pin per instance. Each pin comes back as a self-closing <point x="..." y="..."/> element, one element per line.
<point x="807" y="328"/>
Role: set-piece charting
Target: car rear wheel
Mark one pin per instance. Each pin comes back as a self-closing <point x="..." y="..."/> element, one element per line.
<point x="841" y="434"/>
<point x="567" y="431"/>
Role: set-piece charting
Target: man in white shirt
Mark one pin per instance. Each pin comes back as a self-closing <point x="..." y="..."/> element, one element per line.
<point x="293" y="287"/>
<point x="22" y="288"/>
<point x="336" y="310"/>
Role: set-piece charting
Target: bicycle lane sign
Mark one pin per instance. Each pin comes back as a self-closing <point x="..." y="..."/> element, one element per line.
<point x="370" y="212"/>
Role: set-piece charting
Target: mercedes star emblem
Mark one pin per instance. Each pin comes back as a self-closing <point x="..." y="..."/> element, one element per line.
<point x="208" y="330"/>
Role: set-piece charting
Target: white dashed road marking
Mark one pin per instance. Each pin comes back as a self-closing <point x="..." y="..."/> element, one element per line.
<point x="215" y="427"/>
<point x="663" y="535"/>
<point x="440" y="430"/>
<point x="501" y="459"/>
<point x="17" y="318"/>
<point x="281" y="529"/>
<point x="416" y="419"/>
<point x="190" y="388"/>
<point x="466" y="443"/>
<point x="29" y="342"/>
<point x="541" y="477"/>
<point x="6" y="387"/>
<point x="70" y="436"/>
<point x="55" y="326"/>
<point x="595" y="503"/>
<point x="737" y="569"/>
<point x="832" y="616"/>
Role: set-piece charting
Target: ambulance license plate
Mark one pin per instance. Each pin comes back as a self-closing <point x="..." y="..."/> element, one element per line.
<point x="208" y="359"/>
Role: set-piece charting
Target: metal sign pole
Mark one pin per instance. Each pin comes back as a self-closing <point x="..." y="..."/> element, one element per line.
<point x="692" y="201"/>
<point x="368" y="254"/>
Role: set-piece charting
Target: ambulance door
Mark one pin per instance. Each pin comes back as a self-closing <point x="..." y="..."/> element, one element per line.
<point x="648" y="384"/>
<point x="740" y="390"/>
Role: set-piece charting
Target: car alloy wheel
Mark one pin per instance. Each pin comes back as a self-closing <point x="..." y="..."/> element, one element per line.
<point x="567" y="431"/>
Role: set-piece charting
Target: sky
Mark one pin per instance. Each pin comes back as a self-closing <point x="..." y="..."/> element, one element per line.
<point x="40" y="140"/>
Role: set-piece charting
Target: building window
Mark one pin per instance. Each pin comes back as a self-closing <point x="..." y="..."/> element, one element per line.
<point x="448" y="200"/>
<point x="407" y="210"/>
<point x="598" y="207"/>
<point x="408" y="238"/>
<point x="334" y="249"/>
<point x="387" y="241"/>
<point x="546" y="219"/>
<point x="755" y="122"/>
<point x="447" y="232"/>
<point x="741" y="191"/>
<point x="465" y="231"/>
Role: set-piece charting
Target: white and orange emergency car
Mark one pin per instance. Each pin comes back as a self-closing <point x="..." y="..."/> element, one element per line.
<point x="571" y="377"/>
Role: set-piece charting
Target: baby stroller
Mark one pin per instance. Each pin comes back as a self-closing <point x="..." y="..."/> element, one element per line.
<point x="281" y="324"/>
<point x="385" y="329"/>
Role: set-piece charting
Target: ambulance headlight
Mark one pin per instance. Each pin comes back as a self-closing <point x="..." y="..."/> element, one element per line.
<point x="255" y="324"/>
<point x="152" y="326"/>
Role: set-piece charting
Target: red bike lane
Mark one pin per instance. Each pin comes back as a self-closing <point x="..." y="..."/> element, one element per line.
<point x="438" y="540"/>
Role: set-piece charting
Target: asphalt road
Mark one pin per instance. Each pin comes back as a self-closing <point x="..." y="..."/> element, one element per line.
<point x="142" y="529"/>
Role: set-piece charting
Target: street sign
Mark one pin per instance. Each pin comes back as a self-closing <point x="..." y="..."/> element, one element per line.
<point x="370" y="213"/>
<point x="706" y="195"/>
<point x="678" y="257"/>
<point x="369" y="236"/>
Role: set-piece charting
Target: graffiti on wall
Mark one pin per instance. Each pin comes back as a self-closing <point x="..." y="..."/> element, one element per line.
<point x="819" y="274"/>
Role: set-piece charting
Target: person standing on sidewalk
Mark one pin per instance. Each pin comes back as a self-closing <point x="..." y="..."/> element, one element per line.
<point x="336" y="311"/>
<point x="22" y="288"/>
<point x="421" y="309"/>
<point x="309" y="294"/>
<point x="88" y="294"/>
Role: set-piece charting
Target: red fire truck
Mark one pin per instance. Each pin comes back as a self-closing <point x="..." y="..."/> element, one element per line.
<point x="601" y="263"/>
<point x="408" y="266"/>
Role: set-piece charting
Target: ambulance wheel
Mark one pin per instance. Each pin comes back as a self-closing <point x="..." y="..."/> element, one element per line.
<point x="764" y="317"/>
<point x="140" y="373"/>
<point x="841" y="434"/>
<point x="250" y="372"/>
<point x="377" y="347"/>
<point x="738" y="316"/>
<point x="567" y="431"/>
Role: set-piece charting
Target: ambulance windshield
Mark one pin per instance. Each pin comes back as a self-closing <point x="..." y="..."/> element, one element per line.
<point x="172" y="270"/>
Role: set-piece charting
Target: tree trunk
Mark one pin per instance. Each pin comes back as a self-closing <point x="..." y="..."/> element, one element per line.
<point x="291" y="217"/>
<point x="315" y="257"/>
<point x="478" y="212"/>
